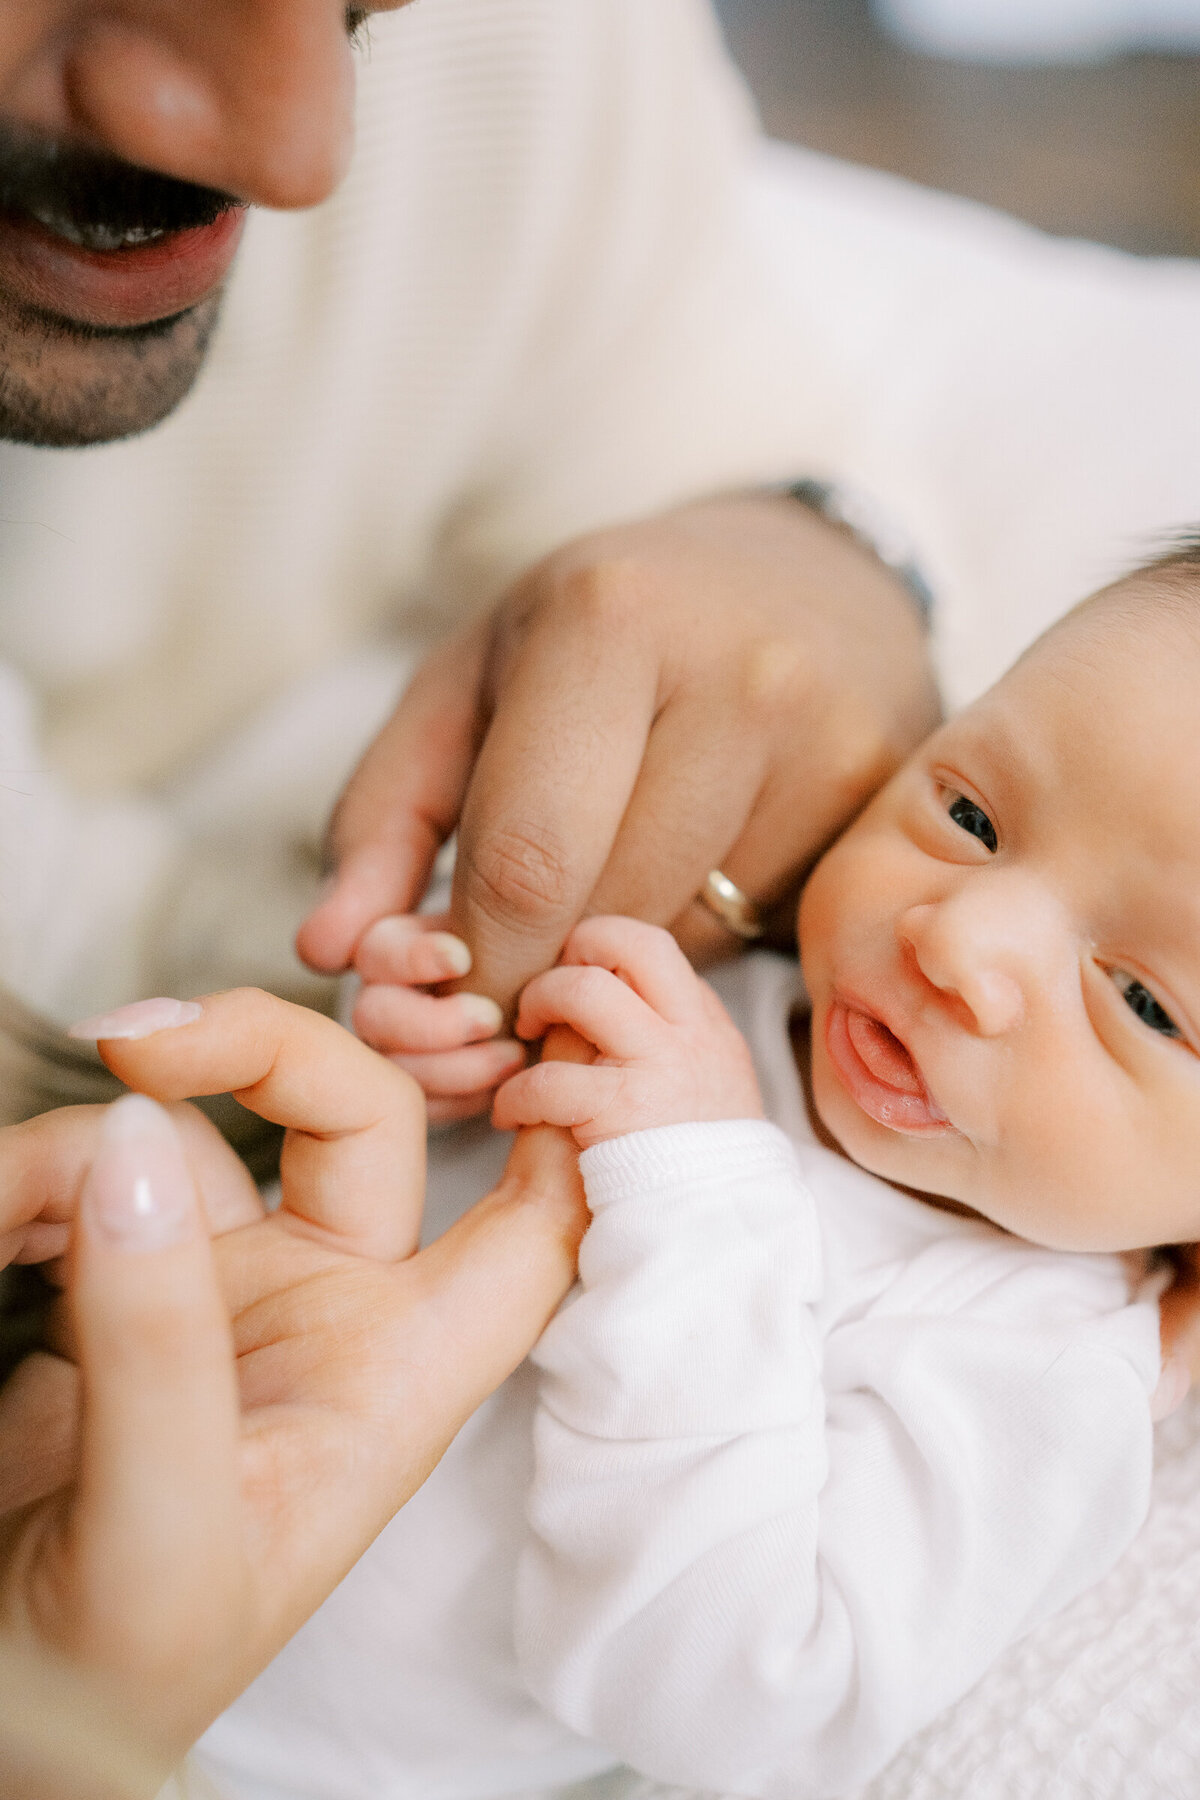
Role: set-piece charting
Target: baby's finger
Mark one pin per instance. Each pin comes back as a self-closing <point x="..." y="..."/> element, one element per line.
<point x="353" y="1164"/>
<point x="453" y="1112"/>
<point x="411" y="948"/>
<point x="394" y="1019"/>
<point x="596" y="1004"/>
<point x="451" y="1074"/>
<point x="644" y="956"/>
<point x="572" y="1095"/>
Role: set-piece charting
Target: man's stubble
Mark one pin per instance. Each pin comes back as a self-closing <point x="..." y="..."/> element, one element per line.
<point x="67" y="386"/>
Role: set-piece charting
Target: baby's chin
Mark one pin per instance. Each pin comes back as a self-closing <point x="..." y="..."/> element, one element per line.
<point x="904" y="1162"/>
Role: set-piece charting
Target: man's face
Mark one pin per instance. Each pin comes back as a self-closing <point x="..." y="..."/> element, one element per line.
<point x="131" y="142"/>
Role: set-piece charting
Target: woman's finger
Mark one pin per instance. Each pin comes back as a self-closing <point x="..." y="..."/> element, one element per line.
<point x="156" y="1526"/>
<point x="484" y="1291"/>
<point x="43" y="1162"/>
<point x="39" y="1429"/>
<point x="353" y="1163"/>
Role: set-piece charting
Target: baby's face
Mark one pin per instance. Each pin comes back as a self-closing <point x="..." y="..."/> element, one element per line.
<point x="1003" y="952"/>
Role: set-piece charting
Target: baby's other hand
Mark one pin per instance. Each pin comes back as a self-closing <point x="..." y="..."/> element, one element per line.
<point x="446" y="1042"/>
<point x="667" y="1051"/>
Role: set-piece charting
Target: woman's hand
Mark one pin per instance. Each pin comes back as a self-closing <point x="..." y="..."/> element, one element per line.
<point x="203" y="1513"/>
<point x="721" y="686"/>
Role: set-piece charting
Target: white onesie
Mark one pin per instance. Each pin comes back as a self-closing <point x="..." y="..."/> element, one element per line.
<point x="807" y="1454"/>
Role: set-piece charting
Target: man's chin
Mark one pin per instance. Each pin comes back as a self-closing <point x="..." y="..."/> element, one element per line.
<point x="66" y="386"/>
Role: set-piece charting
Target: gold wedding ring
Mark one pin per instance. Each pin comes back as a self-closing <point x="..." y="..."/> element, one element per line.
<point x="735" y="910"/>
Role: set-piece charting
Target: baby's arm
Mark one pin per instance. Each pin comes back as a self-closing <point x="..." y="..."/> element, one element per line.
<point x="762" y="1552"/>
<point x="448" y="1043"/>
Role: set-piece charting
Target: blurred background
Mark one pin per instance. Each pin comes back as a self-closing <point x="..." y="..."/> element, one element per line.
<point x="1082" y="116"/>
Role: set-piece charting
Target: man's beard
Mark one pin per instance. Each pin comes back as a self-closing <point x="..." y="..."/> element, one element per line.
<point x="66" y="383"/>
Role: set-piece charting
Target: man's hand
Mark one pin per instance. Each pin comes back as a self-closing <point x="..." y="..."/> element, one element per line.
<point x="719" y="687"/>
<point x="172" y="1545"/>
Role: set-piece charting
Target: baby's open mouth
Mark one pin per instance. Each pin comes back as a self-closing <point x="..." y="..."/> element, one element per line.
<point x="883" y="1053"/>
<point x="878" y="1071"/>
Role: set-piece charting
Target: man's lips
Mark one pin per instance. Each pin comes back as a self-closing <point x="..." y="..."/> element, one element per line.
<point x="878" y="1072"/>
<point x="115" y="289"/>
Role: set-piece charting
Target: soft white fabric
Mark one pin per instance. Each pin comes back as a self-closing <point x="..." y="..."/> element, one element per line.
<point x="810" y="1454"/>
<point x="1101" y="1702"/>
<point x="564" y="283"/>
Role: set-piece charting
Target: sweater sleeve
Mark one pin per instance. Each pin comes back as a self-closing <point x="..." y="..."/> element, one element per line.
<point x="761" y="1556"/>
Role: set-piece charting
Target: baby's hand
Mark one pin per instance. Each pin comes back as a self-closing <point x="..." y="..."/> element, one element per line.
<point x="668" y="1052"/>
<point x="446" y="1042"/>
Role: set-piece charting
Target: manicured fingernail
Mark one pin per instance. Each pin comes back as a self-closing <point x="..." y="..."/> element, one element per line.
<point x="142" y="1019"/>
<point x="480" y="1012"/>
<point x="138" y="1194"/>
<point x="455" y="954"/>
<point x="1172" y="1389"/>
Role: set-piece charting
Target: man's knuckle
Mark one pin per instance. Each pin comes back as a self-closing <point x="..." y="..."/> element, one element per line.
<point x="520" y="876"/>
<point x="774" y="672"/>
<point x="607" y="591"/>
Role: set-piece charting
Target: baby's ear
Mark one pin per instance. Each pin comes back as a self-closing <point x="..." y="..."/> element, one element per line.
<point x="1179" y="1314"/>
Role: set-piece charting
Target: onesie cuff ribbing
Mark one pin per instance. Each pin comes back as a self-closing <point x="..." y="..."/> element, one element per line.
<point x="685" y="1159"/>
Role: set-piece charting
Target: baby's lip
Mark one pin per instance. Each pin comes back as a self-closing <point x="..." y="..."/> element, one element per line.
<point x="878" y="1070"/>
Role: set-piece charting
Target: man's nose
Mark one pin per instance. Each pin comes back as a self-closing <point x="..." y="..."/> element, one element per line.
<point x="254" y="97"/>
<point x="975" y="954"/>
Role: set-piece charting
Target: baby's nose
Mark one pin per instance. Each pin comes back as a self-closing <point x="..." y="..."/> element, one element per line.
<point x="996" y="1001"/>
<point x="962" y="963"/>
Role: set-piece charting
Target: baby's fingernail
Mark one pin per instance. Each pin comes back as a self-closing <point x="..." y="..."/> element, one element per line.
<point x="1172" y="1389"/>
<point x="138" y="1194"/>
<point x="141" y="1019"/>
<point x="481" y="1012"/>
<point x="455" y="954"/>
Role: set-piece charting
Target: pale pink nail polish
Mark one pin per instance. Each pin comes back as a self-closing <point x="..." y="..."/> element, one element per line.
<point x="138" y="1194"/>
<point x="140" y="1019"/>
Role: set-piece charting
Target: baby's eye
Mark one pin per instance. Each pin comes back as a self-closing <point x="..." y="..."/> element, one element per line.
<point x="972" y="818"/>
<point x="1140" y="1000"/>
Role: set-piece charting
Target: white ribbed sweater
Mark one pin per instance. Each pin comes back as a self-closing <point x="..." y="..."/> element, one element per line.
<point x="563" y="284"/>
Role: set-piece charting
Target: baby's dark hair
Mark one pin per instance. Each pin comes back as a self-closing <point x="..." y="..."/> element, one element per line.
<point x="1162" y="590"/>
<point x="1161" y="593"/>
<point x="1181" y="555"/>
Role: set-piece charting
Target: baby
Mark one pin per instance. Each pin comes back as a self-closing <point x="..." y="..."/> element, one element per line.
<point x="847" y="1401"/>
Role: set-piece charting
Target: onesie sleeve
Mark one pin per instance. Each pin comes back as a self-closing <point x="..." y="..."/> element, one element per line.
<point x="761" y="1556"/>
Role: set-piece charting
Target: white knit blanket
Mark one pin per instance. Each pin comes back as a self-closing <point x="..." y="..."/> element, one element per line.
<point x="1100" y="1703"/>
